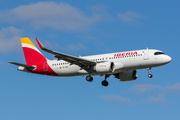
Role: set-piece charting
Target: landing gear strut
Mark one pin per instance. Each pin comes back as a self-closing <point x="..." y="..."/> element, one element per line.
<point x="89" y="78"/>
<point x="149" y="71"/>
<point x="104" y="82"/>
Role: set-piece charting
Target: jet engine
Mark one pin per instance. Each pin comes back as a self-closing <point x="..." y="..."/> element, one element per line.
<point x="104" y="67"/>
<point x="127" y="75"/>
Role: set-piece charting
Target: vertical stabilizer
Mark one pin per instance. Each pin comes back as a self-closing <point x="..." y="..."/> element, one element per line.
<point x="32" y="55"/>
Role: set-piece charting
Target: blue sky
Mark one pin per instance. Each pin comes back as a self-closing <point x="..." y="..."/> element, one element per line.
<point x="86" y="28"/>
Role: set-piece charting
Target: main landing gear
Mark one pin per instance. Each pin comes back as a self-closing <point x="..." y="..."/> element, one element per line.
<point x="149" y="71"/>
<point x="89" y="78"/>
<point x="104" y="82"/>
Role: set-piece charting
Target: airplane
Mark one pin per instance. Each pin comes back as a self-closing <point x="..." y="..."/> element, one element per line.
<point x="123" y="65"/>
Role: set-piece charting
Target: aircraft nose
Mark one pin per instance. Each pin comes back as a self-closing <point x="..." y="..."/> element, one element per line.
<point x="168" y="59"/>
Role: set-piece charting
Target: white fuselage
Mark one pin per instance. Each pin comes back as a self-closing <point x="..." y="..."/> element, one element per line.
<point x="130" y="60"/>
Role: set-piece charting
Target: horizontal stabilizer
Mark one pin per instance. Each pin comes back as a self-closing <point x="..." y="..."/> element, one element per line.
<point x="23" y="65"/>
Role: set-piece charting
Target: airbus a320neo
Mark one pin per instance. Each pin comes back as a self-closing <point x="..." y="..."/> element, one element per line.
<point x="122" y="65"/>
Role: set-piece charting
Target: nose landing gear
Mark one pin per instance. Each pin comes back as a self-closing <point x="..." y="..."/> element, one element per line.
<point x="149" y="71"/>
<point x="150" y="75"/>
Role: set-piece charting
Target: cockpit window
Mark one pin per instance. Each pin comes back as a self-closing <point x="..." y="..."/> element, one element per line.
<point x="158" y="53"/>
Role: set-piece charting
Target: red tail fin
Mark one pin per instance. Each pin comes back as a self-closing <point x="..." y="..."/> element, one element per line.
<point x="32" y="55"/>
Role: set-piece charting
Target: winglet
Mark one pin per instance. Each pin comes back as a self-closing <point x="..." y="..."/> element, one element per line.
<point x="39" y="43"/>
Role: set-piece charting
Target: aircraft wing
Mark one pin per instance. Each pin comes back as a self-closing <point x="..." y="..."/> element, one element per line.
<point x="83" y="63"/>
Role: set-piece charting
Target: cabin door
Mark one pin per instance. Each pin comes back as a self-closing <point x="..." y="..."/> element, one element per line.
<point x="146" y="54"/>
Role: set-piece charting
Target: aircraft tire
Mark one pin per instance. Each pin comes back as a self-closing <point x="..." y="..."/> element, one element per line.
<point x="89" y="78"/>
<point x="150" y="75"/>
<point x="104" y="83"/>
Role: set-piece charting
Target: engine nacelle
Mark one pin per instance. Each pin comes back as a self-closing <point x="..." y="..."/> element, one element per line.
<point x="127" y="75"/>
<point x="104" y="67"/>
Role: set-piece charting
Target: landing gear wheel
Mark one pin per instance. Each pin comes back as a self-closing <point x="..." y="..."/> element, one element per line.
<point x="150" y="75"/>
<point x="149" y="71"/>
<point x="104" y="83"/>
<point x="89" y="78"/>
